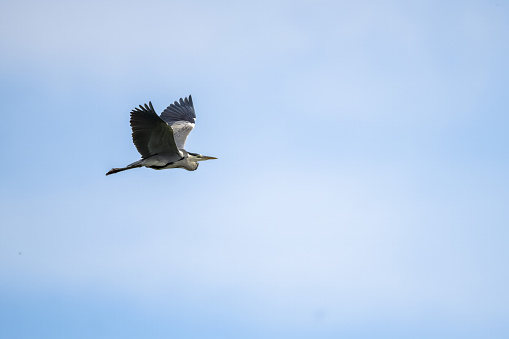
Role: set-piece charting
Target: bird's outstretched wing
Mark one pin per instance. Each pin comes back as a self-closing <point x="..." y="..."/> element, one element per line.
<point x="181" y="117"/>
<point x="151" y="135"/>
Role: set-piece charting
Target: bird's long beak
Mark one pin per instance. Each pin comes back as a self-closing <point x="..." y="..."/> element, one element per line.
<point x="204" y="157"/>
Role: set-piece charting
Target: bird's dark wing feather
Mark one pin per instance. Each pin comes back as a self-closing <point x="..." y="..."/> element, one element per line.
<point x="180" y="111"/>
<point x="151" y="135"/>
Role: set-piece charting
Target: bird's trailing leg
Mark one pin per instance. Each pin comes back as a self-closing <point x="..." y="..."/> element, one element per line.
<point x="116" y="170"/>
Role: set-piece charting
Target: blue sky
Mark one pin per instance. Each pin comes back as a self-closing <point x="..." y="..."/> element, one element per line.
<point x="361" y="189"/>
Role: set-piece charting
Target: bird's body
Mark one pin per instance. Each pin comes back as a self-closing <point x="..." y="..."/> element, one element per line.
<point x="161" y="139"/>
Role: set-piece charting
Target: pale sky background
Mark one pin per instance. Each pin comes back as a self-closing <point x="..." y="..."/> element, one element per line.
<point x="361" y="189"/>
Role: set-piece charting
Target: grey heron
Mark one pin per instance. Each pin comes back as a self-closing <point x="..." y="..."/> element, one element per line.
<point x="161" y="139"/>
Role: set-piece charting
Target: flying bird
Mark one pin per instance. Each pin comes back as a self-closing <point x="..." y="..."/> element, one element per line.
<point x="161" y="139"/>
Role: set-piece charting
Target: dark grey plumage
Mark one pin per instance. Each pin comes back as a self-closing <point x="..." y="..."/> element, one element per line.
<point x="180" y="111"/>
<point x="151" y="135"/>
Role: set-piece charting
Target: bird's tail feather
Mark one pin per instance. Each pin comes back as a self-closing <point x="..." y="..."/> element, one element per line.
<point x="116" y="170"/>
